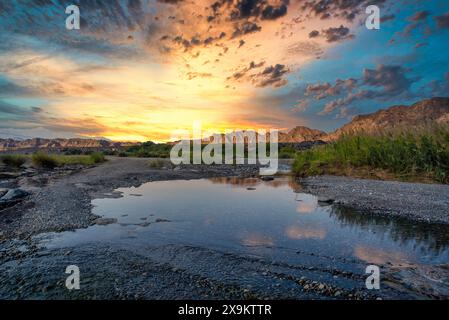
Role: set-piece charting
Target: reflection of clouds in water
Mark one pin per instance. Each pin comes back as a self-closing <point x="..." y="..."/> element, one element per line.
<point x="306" y="207"/>
<point x="297" y="232"/>
<point x="379" y="256"/>
<point x="307" y="204"/>
<point x="252" y="182"/>
<point x="236" y="181"/>
<point x="255" y="240"/>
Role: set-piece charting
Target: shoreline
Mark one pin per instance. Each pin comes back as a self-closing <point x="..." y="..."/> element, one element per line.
<point x="419" y="202"/>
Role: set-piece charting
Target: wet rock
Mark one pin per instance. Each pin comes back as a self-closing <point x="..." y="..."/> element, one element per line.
<point x="266" y="178"/>
<point x="14" y="194"/>
<point x="325" y="200"/>
<point x="250" y="189"/>
<point x="105" y="221"/>
<point x="162" y="220"/>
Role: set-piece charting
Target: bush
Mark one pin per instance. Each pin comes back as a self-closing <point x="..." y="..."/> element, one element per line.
<point x="418" y="155"/>
<point x="44" y="160"/>
<point x="97" y="157"/>
<point x="13" y="160"/>
<point x="156" y="163"/>
<point x="287" y="153"/>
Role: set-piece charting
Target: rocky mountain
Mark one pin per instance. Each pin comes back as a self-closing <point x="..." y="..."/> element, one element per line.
<point x="58" y="144"/>
<point x="426" y="112"/>
<point x="301" y="134"/>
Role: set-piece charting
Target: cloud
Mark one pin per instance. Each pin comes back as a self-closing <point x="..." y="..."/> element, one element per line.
<point x="324" y="90"/>
<point x="10" y="109"/>
<point x="346" y="9"/>
<point x="337" y="34"/>
<point x="391" y="78"/>
<point x="439" y="87"/>
<point x="241" y="73"/>
<point x="420" y="15"/>
<point x="314" y="34"/>
<point x="271" y="76"/>
<point x="382" y="83"/>
<point x="243" y="9"/>
<point x="245" y="28"/>
<point x="443" y="21"/>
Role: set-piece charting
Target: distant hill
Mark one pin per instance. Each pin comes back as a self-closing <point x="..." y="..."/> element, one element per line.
<point x="430" y="111"/>
<point x="301" y="134"/>
<point x="58" y="144"/>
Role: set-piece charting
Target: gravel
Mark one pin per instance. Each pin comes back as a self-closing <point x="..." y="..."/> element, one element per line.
<point x="416" y="201"/>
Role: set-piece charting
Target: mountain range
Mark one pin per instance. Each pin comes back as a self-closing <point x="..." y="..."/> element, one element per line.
<point x="429" y="111"/>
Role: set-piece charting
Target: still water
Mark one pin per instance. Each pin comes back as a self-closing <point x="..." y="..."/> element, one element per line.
<point x="272" y="219"/>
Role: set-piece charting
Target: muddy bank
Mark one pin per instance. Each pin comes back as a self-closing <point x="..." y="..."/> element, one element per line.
<point x="416" y="201"/>
<point x="60" y="200"/>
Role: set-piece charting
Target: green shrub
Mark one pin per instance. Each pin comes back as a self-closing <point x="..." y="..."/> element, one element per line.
<point x="287" y="153"/>
<point x="44" y="160"/>
<point x="13" y="160"/>
<point x="422" y="153"/>
<point x="156" y="164"/>
<point x="97" y="157"/>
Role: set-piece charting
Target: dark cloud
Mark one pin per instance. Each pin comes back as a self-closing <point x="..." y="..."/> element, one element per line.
<point x="324" y="90"/>
<point x="347" y="9"/>
<point x="246" y="9"/>
<point x="16" y="111"/>
<point x="245" y="28"/>
<point x="241" y="73"/>
<point x="443" y="21"/>
<point x="391" y="78"/>
<point x="420" y="15"/>
<point x="383" y="83"/>
<point x="337" y="34"/>
<point x="271" y="12"/>
<point x="314" y="34"/>
<point x="271" y="76"/>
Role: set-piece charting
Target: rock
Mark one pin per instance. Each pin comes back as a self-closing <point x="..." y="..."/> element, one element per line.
<point x="162" y="220"/>
<point x="8" y="175"/>
<point x="325" y="200"/>
<point x="266" y="178"/>
<point x="3" y="191"/>
<point x="14" y="194"/>
<point x="250" y="189"/>
<point x="105" y="221"/>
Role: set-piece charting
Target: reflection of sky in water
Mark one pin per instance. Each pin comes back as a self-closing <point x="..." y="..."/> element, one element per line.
<point x="273" y="220"/>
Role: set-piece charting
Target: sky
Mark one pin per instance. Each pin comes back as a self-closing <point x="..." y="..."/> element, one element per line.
<point x="140" y="70"/>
